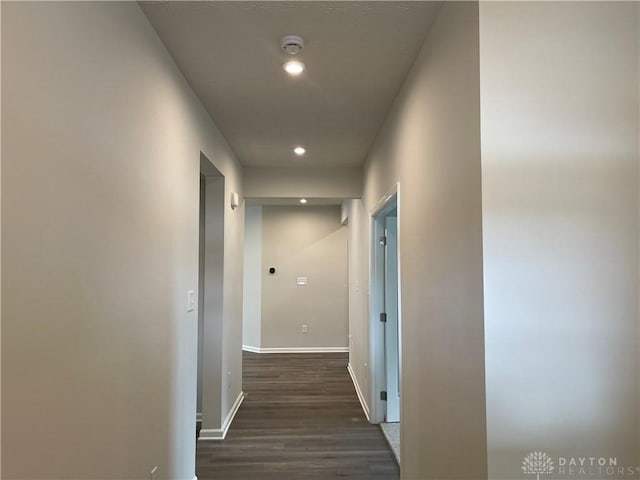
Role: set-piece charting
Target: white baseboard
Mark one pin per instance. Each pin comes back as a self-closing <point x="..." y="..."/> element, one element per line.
<point x="363" y="403"/>
<point x="221" y="433"/>
<point x="249" y="348"/>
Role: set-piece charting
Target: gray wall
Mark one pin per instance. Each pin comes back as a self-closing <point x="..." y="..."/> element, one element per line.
<point x="212" y="264"/>
<point x="0" y="260"/>
<point x="358" y="242"/>
<point x="101" y="150"/>
<point x="304" y="242"/>
<point x="252" y="302"/>
<point x="201" y="250"/>
<point x="431" y="145"/>
<point x="296" y="182"/>
<point x="560" y="129"/>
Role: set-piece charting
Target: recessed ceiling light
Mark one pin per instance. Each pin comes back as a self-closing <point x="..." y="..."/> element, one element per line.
<point x="294" y="67"/>
<point x="303" y="200"/>
<point x="299" y="151"/>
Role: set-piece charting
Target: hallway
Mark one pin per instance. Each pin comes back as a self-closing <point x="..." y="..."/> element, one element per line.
<point x="508" y="134"/>
<point x="300" y="420"/>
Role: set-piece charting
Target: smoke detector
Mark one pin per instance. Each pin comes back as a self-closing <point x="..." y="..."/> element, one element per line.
<point x="292" y="44"/>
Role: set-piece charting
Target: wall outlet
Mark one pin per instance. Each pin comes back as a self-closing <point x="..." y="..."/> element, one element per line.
<point x="304" y="329"/>
<point x="153" y="474"/>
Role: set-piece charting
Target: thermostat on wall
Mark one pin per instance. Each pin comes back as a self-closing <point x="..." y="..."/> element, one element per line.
<point x="301" y="281"/>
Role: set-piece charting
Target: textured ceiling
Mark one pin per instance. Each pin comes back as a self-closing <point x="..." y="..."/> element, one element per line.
<point x="357" y="56"/>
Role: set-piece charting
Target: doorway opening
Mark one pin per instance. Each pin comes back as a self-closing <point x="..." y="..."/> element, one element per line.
<point x="385" y="313"/>
<point x="210" y="300"/>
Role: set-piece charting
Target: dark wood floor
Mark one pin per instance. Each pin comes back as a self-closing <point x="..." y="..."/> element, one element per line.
<point x="300" y="419"/>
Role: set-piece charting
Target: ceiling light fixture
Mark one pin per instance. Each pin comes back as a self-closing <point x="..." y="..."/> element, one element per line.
<point x="294" y="67"/>
<point x="299" y="151"/>
<point x="303" y="200"/>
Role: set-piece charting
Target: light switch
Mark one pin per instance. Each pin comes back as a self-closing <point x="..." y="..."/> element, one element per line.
<point x="191" y="301"/>
<point x="301" y="281"/>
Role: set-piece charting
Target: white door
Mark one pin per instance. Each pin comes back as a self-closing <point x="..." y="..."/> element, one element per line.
<point x="392" y="364"/>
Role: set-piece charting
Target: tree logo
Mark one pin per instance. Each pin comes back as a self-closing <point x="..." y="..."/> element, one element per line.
<point x="537" y="463"/>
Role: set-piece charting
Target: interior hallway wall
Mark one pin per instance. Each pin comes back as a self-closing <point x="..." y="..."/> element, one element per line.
<point x="309" y="182"/>
<point x="358" y="247"/>
<point x="560" y="131"/>
<point x="304" y="242"/>
<point x="430" y="143"/>
<point x="212" y="264"/>
<point x="101" y="149"/>
<point x="201" y="250"/>
<point x="252" y="303"/>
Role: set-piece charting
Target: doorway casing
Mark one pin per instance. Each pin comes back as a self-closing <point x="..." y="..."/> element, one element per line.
<point x="377" y="361"/>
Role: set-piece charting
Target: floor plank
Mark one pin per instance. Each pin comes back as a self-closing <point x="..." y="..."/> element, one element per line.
<point x="300" y="419"/>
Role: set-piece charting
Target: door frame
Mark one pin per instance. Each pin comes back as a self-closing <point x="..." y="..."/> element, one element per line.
<point x="377" y="362"/>
<point x="211" y="271"/>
